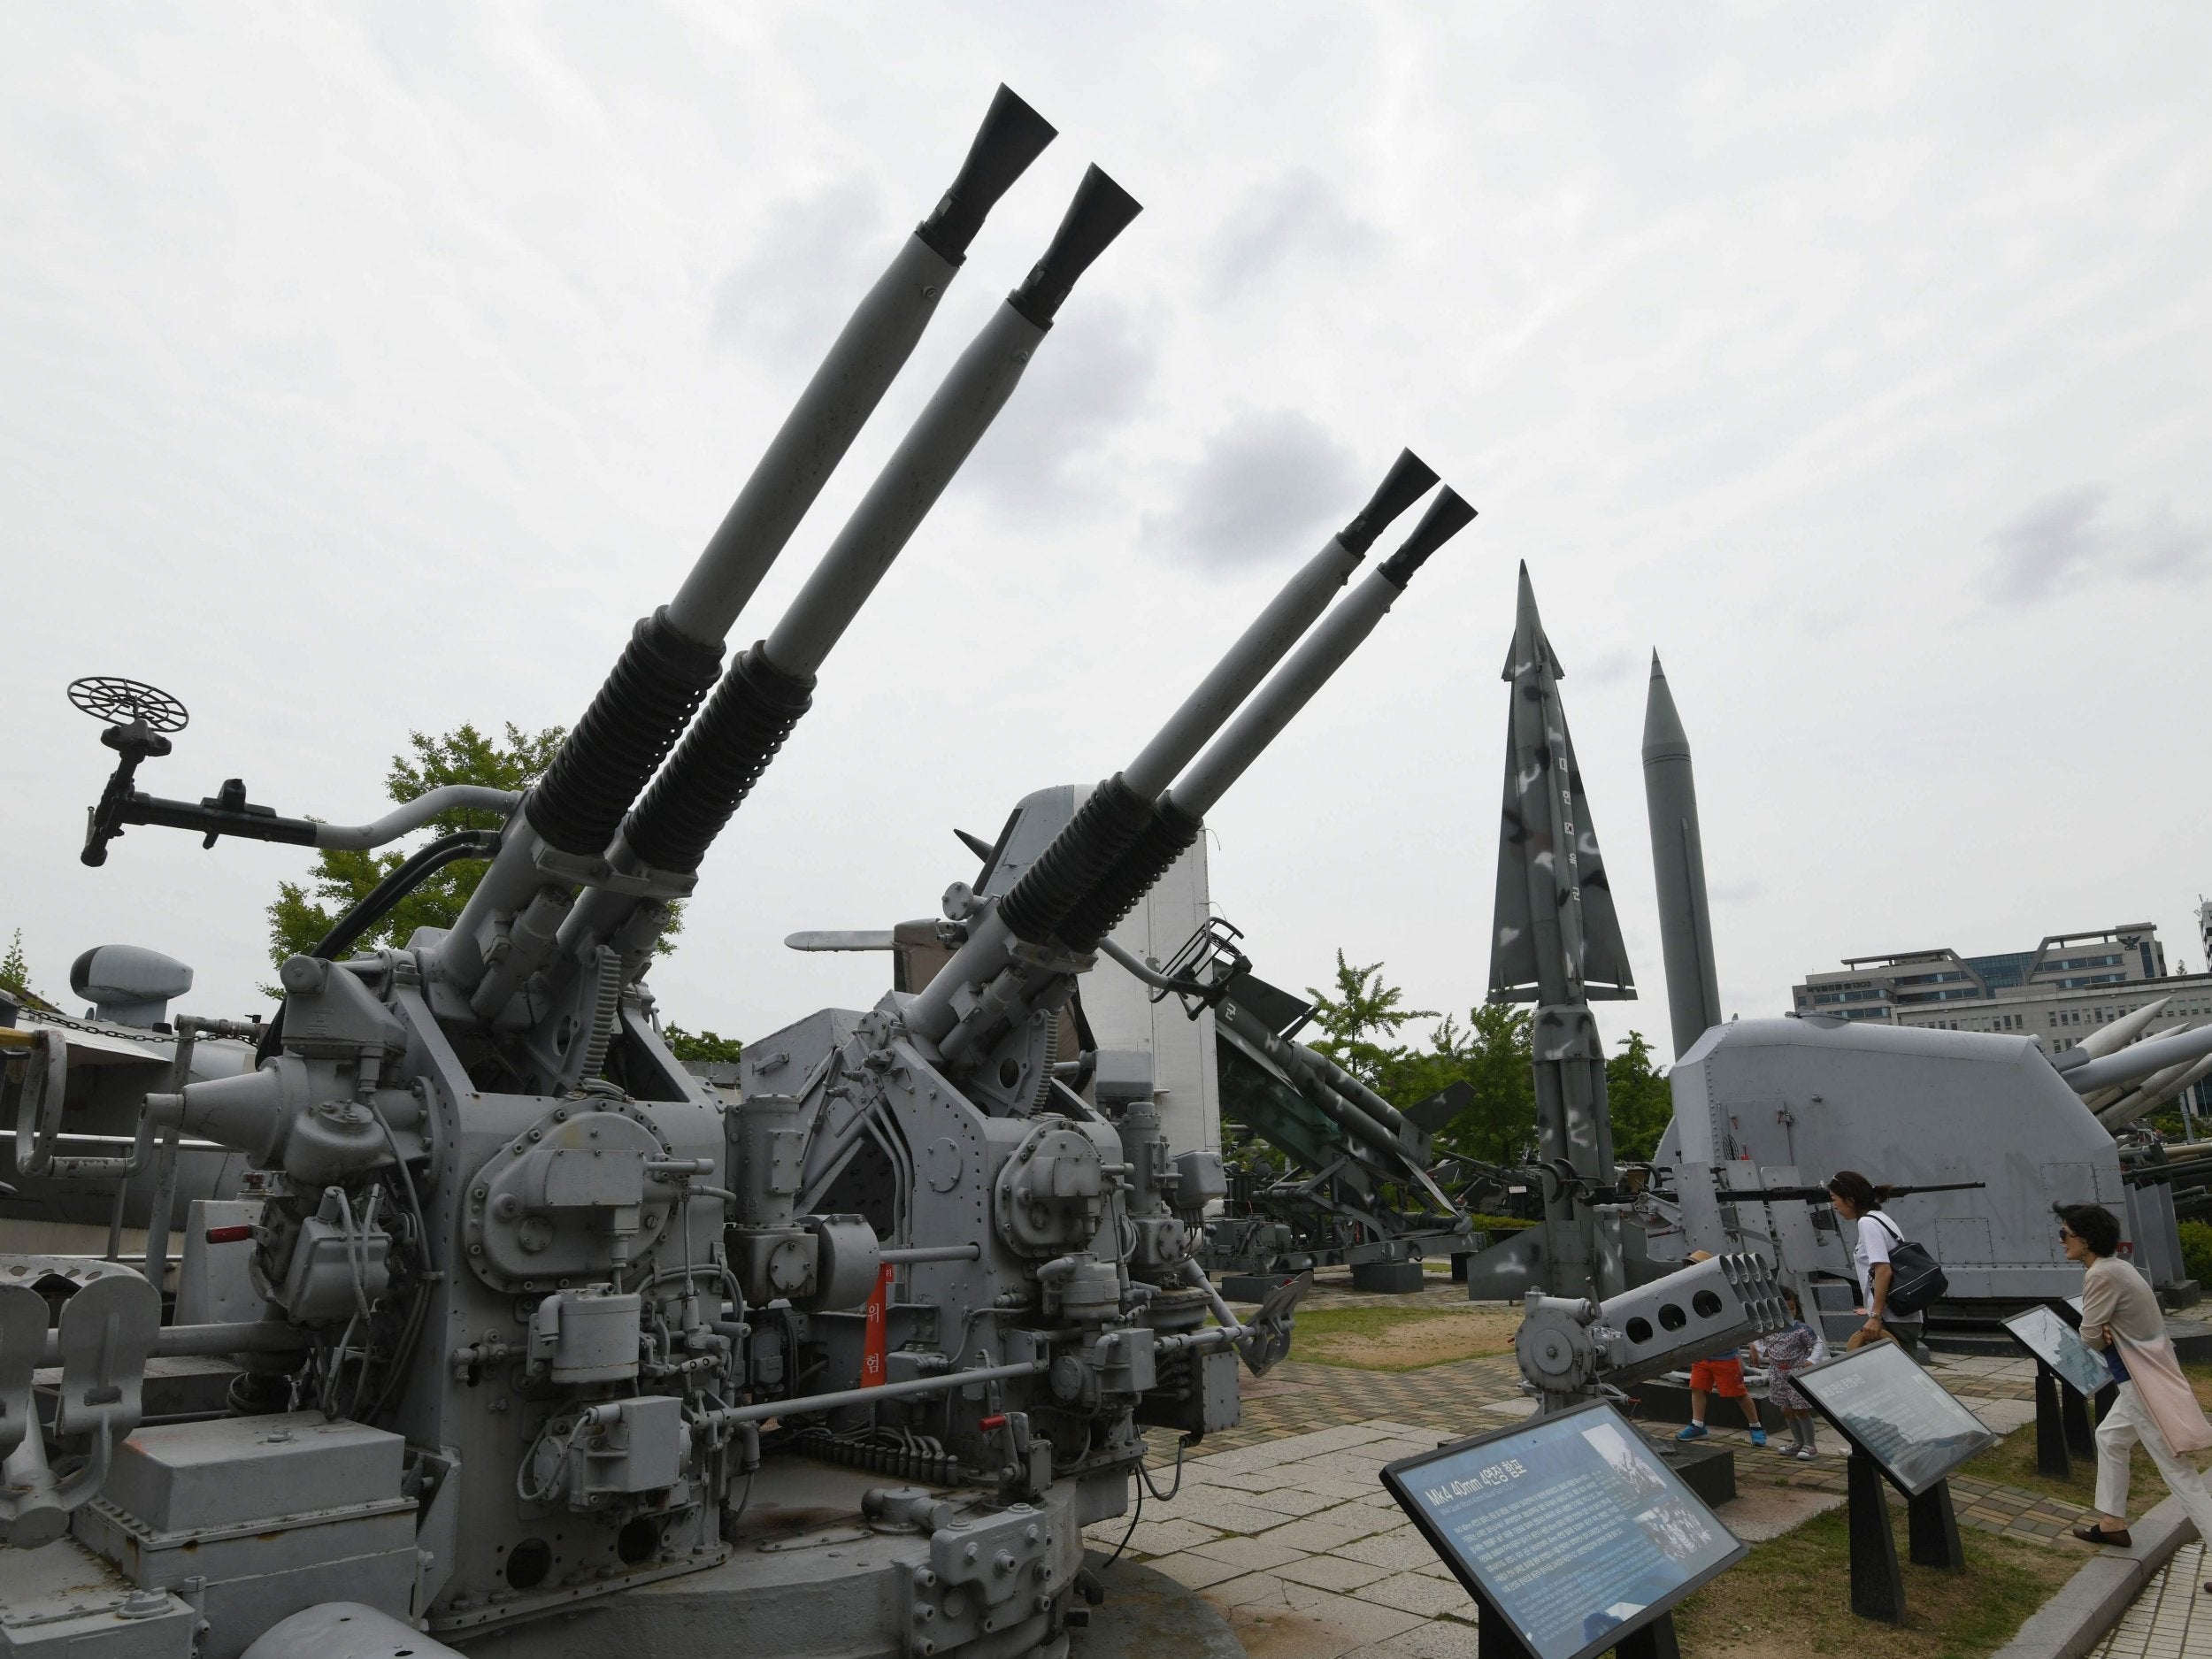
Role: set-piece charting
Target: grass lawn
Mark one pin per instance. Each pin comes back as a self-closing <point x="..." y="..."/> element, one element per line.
<point x="2012" y="1462"/>
<point x="1792" y="1595"/>
<point x="1402" y="1339"/>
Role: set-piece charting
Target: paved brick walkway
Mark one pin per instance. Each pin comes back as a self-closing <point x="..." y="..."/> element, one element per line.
<point x="2171" y="1619"/>
<point x="1283" y="1524"/>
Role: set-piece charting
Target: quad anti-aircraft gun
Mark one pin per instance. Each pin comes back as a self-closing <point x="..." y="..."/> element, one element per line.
<point x="524" y="1319"/>
<point x="1358" y="1189"/>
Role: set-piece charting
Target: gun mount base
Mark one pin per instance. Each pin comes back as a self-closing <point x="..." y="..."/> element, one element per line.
<point x="809" y="1574"/>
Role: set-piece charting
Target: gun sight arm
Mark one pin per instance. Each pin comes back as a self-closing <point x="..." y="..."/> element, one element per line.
<point x="228" y="812"/>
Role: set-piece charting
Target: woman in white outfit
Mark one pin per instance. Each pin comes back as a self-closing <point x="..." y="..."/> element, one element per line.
<point x="1859" y="1202"/>
<point x="2118" y="1304"/>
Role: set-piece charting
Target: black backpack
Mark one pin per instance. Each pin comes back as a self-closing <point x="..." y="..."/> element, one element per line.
<point x="1915" y="1278"/>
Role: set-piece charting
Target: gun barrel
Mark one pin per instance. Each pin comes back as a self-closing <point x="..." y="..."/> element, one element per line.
<point x="869" y="352"/>
<point x="1324" y="650"/>
<point x="1075" y="888"/>
<point x="639" y="712"/>
<point x="1119" y="842"/>
<point x="769" y="686"/>
<point x="673" y="656"/>
<point x="1275" y="629"/>
<point x="1819" y="1194"/>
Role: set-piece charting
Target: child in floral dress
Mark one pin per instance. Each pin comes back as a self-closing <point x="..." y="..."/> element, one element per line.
<point x="1792" y="1349"/>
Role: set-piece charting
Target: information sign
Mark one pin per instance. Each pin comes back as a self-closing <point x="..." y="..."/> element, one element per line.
<point x="1571" y="1527"/>
<point x="1895" y="1413"/>
<point x="2051" y="1340"/>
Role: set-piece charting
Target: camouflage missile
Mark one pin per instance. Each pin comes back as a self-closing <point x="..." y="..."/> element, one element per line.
<point x="1558" y="939"/>
<point x="1677" y="862"/>
<point x="1557" y="943"/>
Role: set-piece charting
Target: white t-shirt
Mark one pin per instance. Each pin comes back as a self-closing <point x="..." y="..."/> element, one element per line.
<point x="1877" y="1233"/>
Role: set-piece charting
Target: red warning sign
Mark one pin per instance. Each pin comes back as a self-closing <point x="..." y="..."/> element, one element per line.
<point x="875" y="1342"/>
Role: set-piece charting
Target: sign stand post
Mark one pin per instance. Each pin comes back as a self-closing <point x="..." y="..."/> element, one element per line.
<point x="1655" y="1641"/>
<point x="1932" y="1528"/>
<point x="1906" y="1431"/>
<point x="2050" y="1437"/>
<point x="1626" y="1537"/>
<point x="2074" y="1413"/>
<point x="2067" y="1375"/>
<point x="1877" y="1588"/>
<point x="1496" y="1638"/>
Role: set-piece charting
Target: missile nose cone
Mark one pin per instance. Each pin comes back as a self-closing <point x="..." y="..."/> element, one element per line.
<point x="1663" y="736"/>
<point x="1530" y="647"/>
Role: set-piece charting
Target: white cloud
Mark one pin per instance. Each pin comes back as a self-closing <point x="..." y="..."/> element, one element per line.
<point x="2066" y="540"/>
<point x="362" y="373"/>
<point x="1261" y="483"/>
<point x="1298" y="218"/>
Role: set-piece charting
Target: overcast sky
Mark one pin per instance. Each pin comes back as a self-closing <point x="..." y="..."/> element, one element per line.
<point x="368" y="370"/>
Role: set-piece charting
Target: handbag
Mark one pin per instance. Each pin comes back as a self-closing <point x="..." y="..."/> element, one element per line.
<point x="2165" y="1392"/>
<point x="1915" y="1278"/>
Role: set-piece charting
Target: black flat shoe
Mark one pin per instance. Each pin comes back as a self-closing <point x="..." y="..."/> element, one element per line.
<point x="2120" y="1540"/>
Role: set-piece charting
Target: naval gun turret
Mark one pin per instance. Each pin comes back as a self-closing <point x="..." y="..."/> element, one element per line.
<point x="943" y="1117"/>
<point x="528" y="1320"/>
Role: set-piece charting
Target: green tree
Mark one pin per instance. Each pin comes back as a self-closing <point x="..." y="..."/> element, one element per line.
<point x="304" y="911"/>
<point x="15" y="973"/>
<point x="1363" y="1010"/>
<point x="700" y="1046"/>
<point x="1638" y="1098"/>
<point x="1491" y="1053"/>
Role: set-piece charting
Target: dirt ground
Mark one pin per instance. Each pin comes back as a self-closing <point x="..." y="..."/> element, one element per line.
<point x="1398" y="1340"/>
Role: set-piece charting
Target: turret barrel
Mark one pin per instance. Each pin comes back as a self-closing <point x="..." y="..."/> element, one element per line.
<point x="754" y="708"/>
<point x="1179" y="813"/>
<point x="1122" y="840"/>
<point x="674" y="655"/>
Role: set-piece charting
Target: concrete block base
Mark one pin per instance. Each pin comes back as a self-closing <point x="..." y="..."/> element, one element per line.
<point x="1707" y="1470"/>
<point x="1393" y="1278"/>
<point x="1670" y="1402"/>
<point x="1248" y="1286"/>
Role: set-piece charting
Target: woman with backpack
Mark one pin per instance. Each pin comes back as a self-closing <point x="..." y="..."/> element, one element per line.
<point x="1858" y="1201"/>
<point x="2120" y="1317"/>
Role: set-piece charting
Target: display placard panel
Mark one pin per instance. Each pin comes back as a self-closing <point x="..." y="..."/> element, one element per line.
<point x="2054" y="1341"/>
<point x="1571" y="1526"/>
<point x="1896" y="1413"/>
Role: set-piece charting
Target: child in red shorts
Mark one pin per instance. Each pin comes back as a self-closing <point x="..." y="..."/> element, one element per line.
<point x="1722" y="1374"/>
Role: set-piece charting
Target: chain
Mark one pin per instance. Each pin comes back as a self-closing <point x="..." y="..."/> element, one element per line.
<point x="101" y="1028"/>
